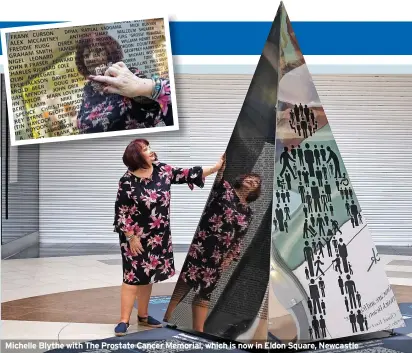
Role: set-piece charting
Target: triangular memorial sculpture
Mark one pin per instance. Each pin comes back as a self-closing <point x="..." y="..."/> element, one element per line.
<point x="281" y="251"/>
<point x="325" y="269"/>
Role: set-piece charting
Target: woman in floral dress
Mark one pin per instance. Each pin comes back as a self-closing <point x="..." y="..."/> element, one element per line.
<point x="142" y="219"/>
<point x="217" y="242"/>
<point x="105" y="109"/>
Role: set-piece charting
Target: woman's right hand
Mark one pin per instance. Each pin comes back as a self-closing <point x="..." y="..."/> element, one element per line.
<point x="135" y="246"/>
<point x="221" y="165"/>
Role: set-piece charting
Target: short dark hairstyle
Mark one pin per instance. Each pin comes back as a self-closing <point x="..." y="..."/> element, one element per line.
<point x="97" y="39"/>
<point x="132" y="156"/>
<point x="253" y="195"/>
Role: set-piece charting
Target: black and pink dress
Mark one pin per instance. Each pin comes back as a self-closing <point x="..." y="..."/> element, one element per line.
<point x="143" y="207"/>
<point x="102" y="112"/>
<point x="224" y="223"/>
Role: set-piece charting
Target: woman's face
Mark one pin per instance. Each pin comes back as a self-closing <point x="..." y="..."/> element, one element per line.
<point x="251" y="183"/>
<point x="148" y="155"/>
<point x="94" y="57"/>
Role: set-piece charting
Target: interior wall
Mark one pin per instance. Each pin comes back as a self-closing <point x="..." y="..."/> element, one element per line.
<point x="369" y="116"/>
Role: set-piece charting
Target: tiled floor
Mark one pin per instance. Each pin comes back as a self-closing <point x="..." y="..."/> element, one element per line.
<point x="55" y="295"/>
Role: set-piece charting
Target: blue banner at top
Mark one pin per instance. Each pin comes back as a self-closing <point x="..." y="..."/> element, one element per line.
<point x="315" y="38"/>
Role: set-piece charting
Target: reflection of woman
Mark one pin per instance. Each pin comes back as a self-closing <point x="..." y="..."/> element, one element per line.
<point x="142" y="221"/>
<point x="225" y="221"/>
<point x="104" y="110"/>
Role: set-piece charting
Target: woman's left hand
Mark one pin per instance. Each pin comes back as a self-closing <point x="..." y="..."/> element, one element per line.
<point x="222" y="163"/>
<point x="118" y="79"/>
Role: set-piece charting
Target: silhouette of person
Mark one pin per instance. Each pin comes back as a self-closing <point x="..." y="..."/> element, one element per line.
<point x="331" y="169"/>
<point x="337" y="264"/>
<point x="285" y="158"/>
<point x="292" y="116"/>
<point x="320" y="247"/>
<point x="278" y="195"/>
<point x="366" y="324"/>
<point x="323" y="154"/>
<point x="304" y="126"/>
<point x="314" y="294"/>
<point x="360" y="320"/>
<point x="309" y="159"/>
<point x="350" y="269"/>
<point x="288" y="180"/>
<point x="320" y="222"/>
<point x="337" y="183"/>
<point x="300" y="175"/>
<point x="301" y="190"/>
<point x="360" y="218"/>
<point x="305" y="211"/>
<point x="343" y="253"/>
<point x="331" y="209"/>
<point x="306" y="111"/>
<point x="346" y="191"/>
<point x="300" y="155"/>
<point x="354" y="211"/>
<point x="315" y="325"/>
<point x="287" y="212"/>
<point x="280" y="185"/>
<point x="335" y="159"/>
<point x="316" y="197"/>
<point x="322" y="325"/>
<point x="324" y="201"/>
<point x="328" y="245"/>
<point x="311" y="333"/>
<point x="310" y="306"/>
<point x="298" y="128"/>
<point x="309" y="257"/>
<point x="283" y="196"/>
<point x="295" y="169"/>
<point x="306" y="228"/>
<point x="301" y="109"/>
<point x="287" y="195"/>
<point x="328" y="191"/>
<point x="326" y="218"/>
<point x="316" y="153"/>
<point x="318" y="269"/>
<point x="323" y="306"/>
<point x="347" y="206"/>
<point x="293" y="152"/>
<point x="292" y="126"/>
<point x="347" y="304"/>
<point x="305" y="174"/>
<point x="352" y="319"/>
<point x="312" y="220"/>
<point x="310" y="129"/>
<point x="342" y="194"/>
<point x="350" y="193"/>
<point x="279" y="217"/>
<point x="314" y="247"/>
<point x="318" y="174"/>
<point x="307" y="273"/>
<point x="350" y="289"/>
<point x="335" y="244"/>
<point x="296" y="111"/>
<point x="352" y="220"/>
<point x="325" y="172"/>
<point x="340" y="283"/>
<point x="358" y="298"/>
<point x="312" y="117"/>
<point x="322" y="286"/>
<point x="275" y="223"/>
<point x="335" y="226"/>
<point x="309" y="201"/>
<point x="286" y="226"/>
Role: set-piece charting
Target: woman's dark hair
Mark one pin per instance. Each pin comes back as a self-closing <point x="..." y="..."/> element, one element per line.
<point x="253" y="195"/>
<point x="97" y="39"/>
<point x="132" y="156"/>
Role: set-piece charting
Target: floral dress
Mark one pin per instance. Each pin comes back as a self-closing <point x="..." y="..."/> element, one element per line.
<point x="224" y="223"/>
<point x="101" y="112"/>
<point x="143" y="207"/>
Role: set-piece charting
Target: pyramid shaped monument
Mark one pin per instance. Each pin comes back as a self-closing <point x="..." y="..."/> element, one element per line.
<point x="282" y="250"/>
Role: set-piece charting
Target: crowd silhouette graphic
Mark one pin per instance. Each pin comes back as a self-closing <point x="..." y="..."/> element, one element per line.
<point x="315" y="170"/>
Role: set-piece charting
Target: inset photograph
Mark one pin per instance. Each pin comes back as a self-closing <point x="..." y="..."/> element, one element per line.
<point x="66" y="82"/>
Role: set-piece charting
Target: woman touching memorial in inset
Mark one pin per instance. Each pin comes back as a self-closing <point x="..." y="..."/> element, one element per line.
<point x="142" y="219"/>
<point x="115" y="97"/>
<point x="217" y="242"/>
